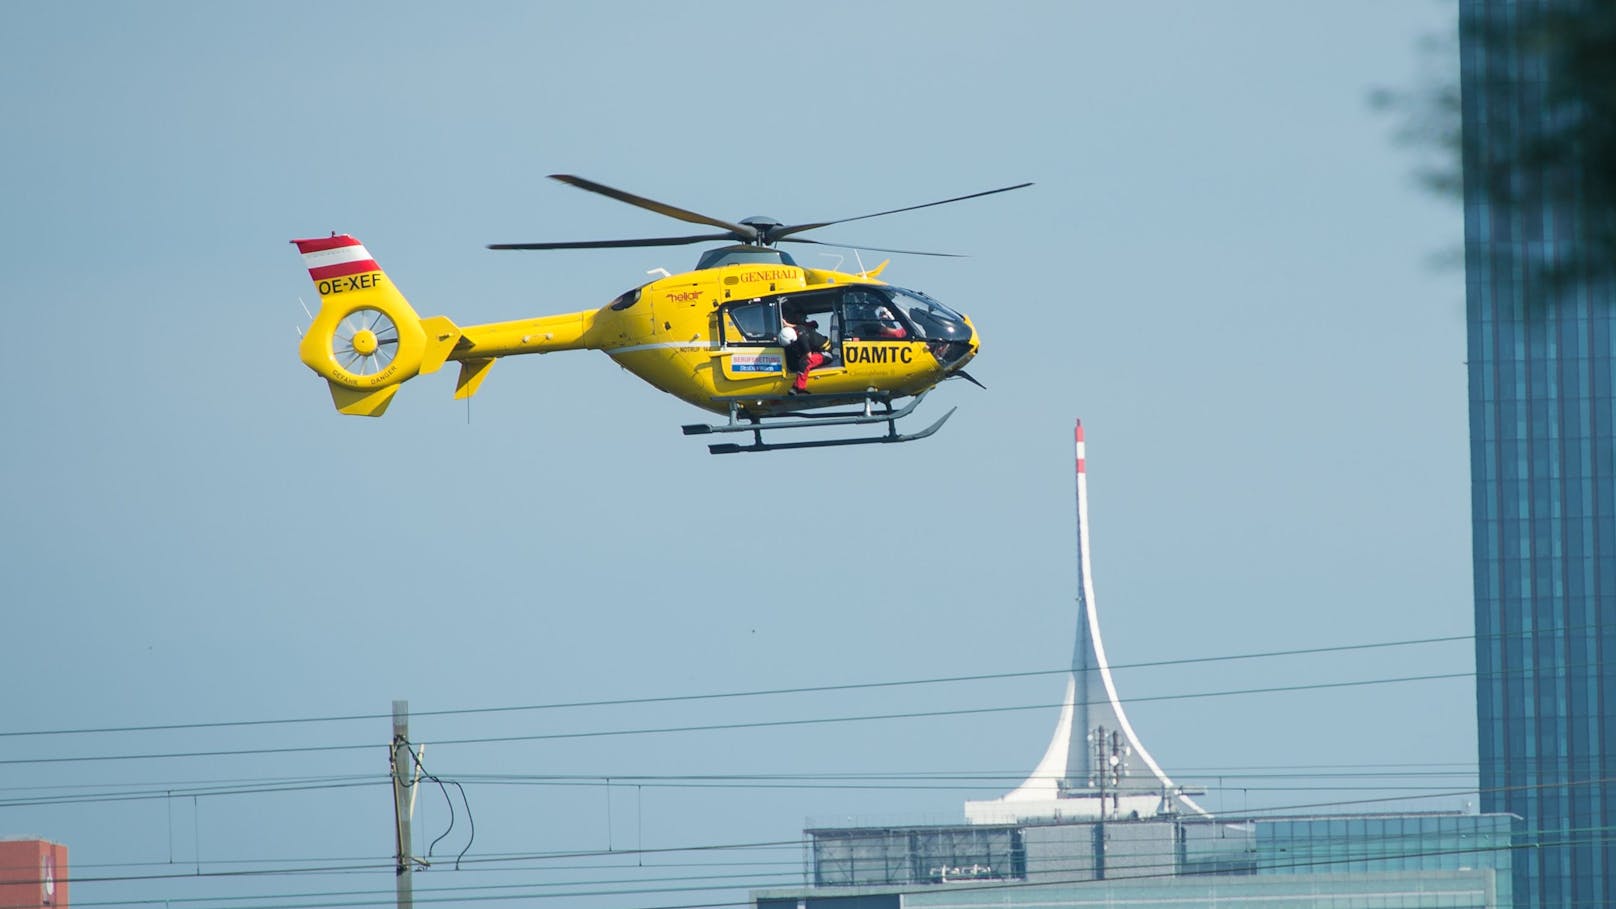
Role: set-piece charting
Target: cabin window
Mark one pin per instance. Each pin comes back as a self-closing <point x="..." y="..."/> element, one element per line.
<point x="629" y="298"/>
<point x="818" y="306"/>
<point x="823" y="309"/>
<point x="754" y="322"/>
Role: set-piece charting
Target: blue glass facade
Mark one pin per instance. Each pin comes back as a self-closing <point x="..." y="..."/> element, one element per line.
<point x="1364" y="845"/>
<point x="1543" y="476"/>
<point x="1383" y="861"/>
<point x="1073" y="851"/>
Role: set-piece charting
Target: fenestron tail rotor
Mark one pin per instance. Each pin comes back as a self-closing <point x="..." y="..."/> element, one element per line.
<point x="365" y="342"/>
<point x="759" y="231"/>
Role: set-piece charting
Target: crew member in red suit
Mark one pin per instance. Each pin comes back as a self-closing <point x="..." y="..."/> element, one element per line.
<point x="812" y="349"/>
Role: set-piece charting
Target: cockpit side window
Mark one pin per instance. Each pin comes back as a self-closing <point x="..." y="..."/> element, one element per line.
<point x="869" y="315"/>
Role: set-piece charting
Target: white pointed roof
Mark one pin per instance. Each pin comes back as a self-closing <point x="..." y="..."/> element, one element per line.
<point x="1095" y="766"/>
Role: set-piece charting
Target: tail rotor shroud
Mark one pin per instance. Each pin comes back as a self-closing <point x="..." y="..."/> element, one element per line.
<point x="365" y="342"/>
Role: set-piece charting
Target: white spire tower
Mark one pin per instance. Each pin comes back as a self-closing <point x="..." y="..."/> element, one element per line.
<point x="1095" y="767"/>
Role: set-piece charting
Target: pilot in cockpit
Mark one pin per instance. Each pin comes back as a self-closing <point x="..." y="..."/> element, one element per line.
<point x="886" y="324"/>
<point x="874" y="322"/>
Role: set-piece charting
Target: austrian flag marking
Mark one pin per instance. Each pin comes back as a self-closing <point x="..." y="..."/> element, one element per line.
<point x="335" y="257"/>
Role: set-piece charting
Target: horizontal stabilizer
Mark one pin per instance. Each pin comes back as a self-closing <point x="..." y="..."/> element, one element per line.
<point x="472" y="373"/>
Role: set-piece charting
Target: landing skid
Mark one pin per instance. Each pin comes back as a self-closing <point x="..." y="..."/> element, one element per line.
<point x="875" y="409"/>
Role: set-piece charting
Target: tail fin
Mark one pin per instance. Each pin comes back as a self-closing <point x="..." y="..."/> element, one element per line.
<point x="366" y="340"/>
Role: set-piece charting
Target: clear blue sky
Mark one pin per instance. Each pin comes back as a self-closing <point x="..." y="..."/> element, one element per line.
<point x="1223" y="269"/>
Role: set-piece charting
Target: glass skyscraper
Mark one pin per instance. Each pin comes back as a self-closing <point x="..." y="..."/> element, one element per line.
<point x="1543" y="468"/>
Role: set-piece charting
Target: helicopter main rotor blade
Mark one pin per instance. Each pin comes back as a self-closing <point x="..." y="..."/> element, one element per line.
<point x="615" y="244"/>
<point x="737" y="231"/>
<point x="904" y="252"/>
<point x="799" y="228"/>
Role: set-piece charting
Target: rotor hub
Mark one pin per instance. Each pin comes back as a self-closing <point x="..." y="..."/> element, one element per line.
<point x="365" y="342"/>
<point x="765" y="227"/>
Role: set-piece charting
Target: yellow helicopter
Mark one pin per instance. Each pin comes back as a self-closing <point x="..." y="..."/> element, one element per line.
<point x="740" y="335"/>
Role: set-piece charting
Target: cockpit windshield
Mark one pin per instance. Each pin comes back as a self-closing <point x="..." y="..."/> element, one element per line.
<point x="931" y="319"/>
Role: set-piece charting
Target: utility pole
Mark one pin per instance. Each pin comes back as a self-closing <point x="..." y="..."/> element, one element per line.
<point x="403" y="772"/>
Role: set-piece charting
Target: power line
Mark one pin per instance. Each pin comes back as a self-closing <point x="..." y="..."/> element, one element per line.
<point x="1144" y="870"/>
<point x="735" y="846"/>
<point x="461" y="889"/>
<point x="205" y="787"/>
<point x="663" y="699"/>
<point x="166" y="793"/>
<point x="715" y="727"/>
<point x="386" y="864"/>
<point x="935" y="781"/>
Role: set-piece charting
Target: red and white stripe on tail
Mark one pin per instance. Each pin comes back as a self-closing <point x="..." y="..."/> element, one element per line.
<point x="338" y="256"/>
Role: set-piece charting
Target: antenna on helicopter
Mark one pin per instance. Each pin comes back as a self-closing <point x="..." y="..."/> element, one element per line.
<point x="306" y="313"/>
